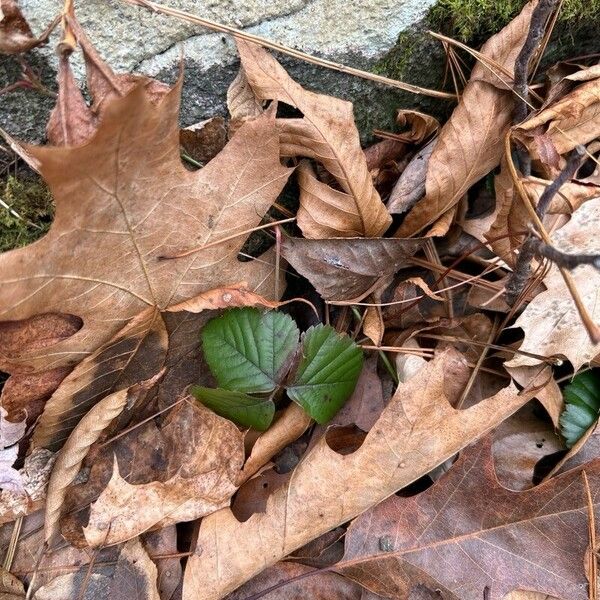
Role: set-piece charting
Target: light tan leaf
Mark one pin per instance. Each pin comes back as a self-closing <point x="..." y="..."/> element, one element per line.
<point x="573" y="120"/>
<point x="11" y="588"/>
<point x="127" y="192"/>
<point x="551" y="322"/>
<point x="373" y="325"/>
<point x="70" y="458"/>
<point x="421" y="126"/>
<point x="242" y="104"/>
<point x="205" y="482"/>
<point x="417" y="431"/>
<point x="328" y="134"/>
<point x="290" y="425"/>
<point x="469" y="145"/>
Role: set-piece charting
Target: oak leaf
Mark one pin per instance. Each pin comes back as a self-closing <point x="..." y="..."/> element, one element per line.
<point x="466" y="523"/>
<point x="327" y="133"/>
<point x="417" y="431"/>
<point x="470" y="143"/>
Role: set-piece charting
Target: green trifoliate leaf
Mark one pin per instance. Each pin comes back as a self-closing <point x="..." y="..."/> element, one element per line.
<point x="248" y="350"/>
<point x="582" y="406"/>
<point x="238" y="407"/>
<point x="327" y="373"/>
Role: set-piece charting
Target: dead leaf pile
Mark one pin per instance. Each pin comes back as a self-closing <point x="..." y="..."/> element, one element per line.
<point x="461" y="256"/>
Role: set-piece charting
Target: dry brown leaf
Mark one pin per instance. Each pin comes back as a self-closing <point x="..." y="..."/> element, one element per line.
<point x="127" y="191"/>
<point x="328" y="134"/>
<point x="290" y="425"/>
<point x="551" y="322"/>
<point x="344" y="269"/>
<point x="15" y="34"/>
<point x="417" y="431"/>
<point x="506" y="540"/>
<point x="205" y="481"/>
<point x="470" y="143"/>
<point x="135" y="353"/>
<point x="242" y="104"/>
<point x="70" y="458"/>
<point x="170" y="572"/>
<point x="573" y="120"/>
<point x="410" y="187"/>
<point x="10" y="587"/>
<point x="204" y="140"/>
<point x="421" y="126"/>
<point x="373" y="326"/>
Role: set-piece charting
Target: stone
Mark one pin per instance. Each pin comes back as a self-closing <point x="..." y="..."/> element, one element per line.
<point x="135" y="39"/>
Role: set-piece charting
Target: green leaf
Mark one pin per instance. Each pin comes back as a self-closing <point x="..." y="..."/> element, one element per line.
<point x="582" y="406"/>
<point x="327" y="373"/>
<point x="247" y="350"/>
<point x="238" y="407"/>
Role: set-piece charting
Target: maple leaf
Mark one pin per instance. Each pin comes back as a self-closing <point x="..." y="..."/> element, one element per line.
<point x="474" y="131"/>
<point x="551" y="322"/>
<point x="467" y="533"/>
<point x="416" y="431"/>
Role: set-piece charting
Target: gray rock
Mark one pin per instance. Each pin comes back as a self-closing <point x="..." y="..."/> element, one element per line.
<point x="134" y="39"/>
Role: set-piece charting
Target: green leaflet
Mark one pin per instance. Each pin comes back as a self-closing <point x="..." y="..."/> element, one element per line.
<point x="245" y="410"/>
<point x="582" y="406"/>
<point x="247" y="350"/>
<point x="327" y="373"/>
<point x="251" y="352"/>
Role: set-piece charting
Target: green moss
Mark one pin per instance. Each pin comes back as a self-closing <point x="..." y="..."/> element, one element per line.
<point x="473" y="21"/>
<point x="30" y="199"/>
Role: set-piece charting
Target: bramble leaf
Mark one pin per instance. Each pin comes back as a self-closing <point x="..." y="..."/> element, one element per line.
<point x="247" y="349"/>
<point x="327" y="373"/>
<point x="238" y="407"/>
<point x="582" y="406"/>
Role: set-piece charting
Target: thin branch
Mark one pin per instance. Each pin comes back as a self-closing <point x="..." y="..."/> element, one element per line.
<point x="562" y="259"/>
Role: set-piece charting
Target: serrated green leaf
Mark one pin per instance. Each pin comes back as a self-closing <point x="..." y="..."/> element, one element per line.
<point x="327" y="373"/>
<point x="238" y="407"/>
<point x="247" y="350"/>
<point x="582" y="406"/>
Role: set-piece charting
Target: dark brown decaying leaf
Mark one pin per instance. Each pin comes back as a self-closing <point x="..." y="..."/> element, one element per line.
<point x="417" y="431"/>
<point x="467" y="523"/>
<point x="204" y="140"/>
<point x="15" y="34"/>
<point x="470" y="143"/>
<point x="327" y="133"/>
<point x="347" y="269"/>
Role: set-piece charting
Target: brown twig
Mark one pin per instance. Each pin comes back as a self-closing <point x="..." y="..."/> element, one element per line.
<point x="532" y="245"/>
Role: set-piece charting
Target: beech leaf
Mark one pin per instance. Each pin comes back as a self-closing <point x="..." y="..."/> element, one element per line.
<point x="327" y="374"/>
<point x="247" y="349"/>
<point x="241" y="408"/>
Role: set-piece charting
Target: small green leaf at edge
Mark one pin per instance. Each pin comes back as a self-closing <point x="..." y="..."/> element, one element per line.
<point x="582" y="406"/>
<point x="327" y="373"/>
<point x="238" y="407"/>
<point x="247" y="349"/>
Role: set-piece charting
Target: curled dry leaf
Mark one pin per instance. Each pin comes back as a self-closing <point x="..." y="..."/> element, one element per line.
<point x="204" y="140"/>
<point x="417" y="431"/>
<point x="470" y="143"/>
<point x="410" y="187"/>
<point x="551" y="322"/>
<point x="421" y="126"/>
<point x="573" y="120"/>
<point x="347" y="270"/>
<point x="204" y="482"/>
<point x="70" y="458"/>
<point x="242" y="103"/>
<point x="430" y="537"/>
<point x="327" y="133"/>
<point x="15" y="34"/>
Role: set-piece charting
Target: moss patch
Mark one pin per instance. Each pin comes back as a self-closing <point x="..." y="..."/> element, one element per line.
<point x="30" y="199"/>
<point x="473" y="21"/>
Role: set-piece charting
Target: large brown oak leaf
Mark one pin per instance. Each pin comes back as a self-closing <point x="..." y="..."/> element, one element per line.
<point x="124" y="202"/>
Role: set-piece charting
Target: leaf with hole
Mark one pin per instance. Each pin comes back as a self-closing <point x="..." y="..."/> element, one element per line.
<point x="327" y="373"/>
<point x="239" y="407"/>
<point x="247" y="350"/>
<point x="582" y="406"/>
